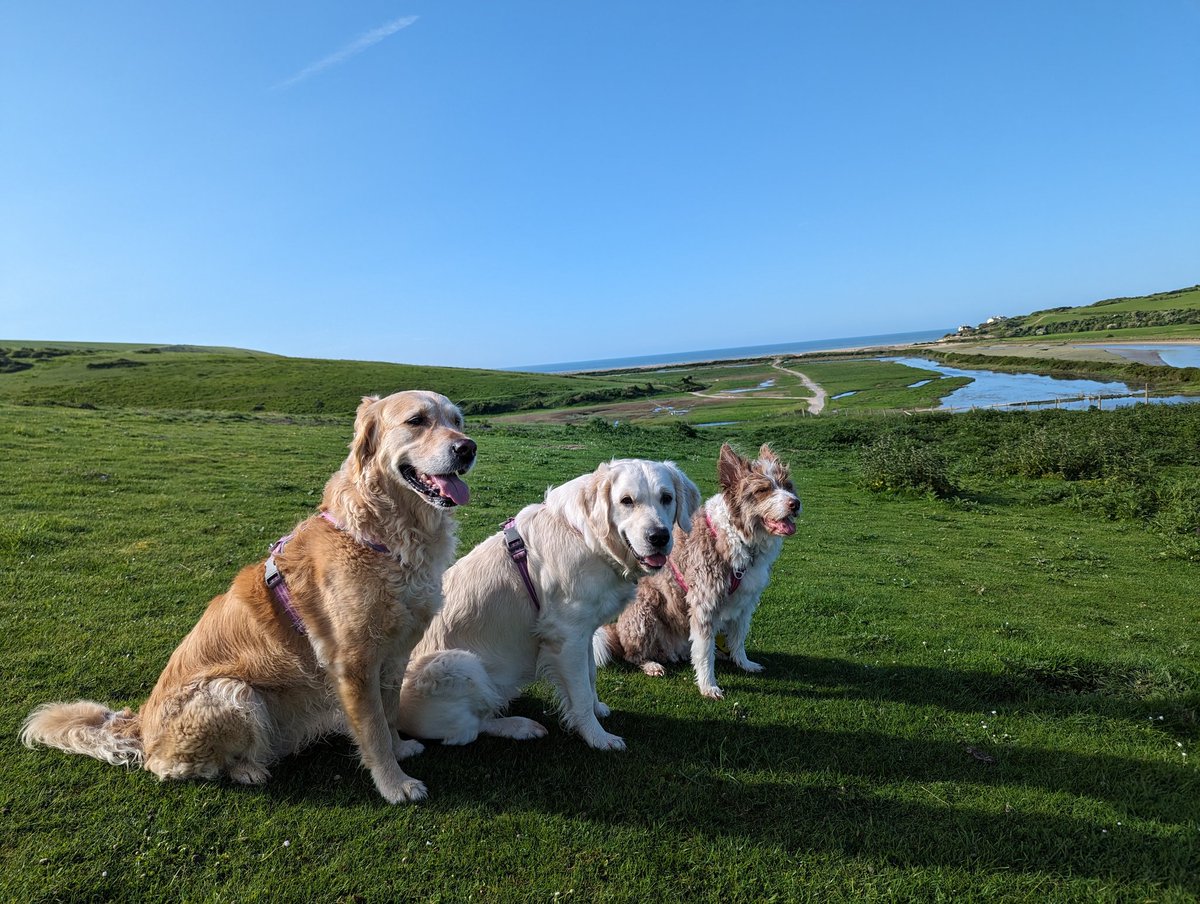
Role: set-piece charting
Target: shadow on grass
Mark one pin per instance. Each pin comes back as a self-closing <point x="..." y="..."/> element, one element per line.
<point x="1052" y="686"/>
<point x="909" y="802"/>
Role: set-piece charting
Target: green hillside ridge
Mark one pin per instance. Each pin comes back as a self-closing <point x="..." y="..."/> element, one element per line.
<point x="189" y="377"/>
<point x="1177" y="311"/>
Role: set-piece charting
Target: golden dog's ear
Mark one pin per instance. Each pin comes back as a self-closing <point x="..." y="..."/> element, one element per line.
<point x="731" y="467"/>
<point x="366" y="432"/>
<point x="687" y="496"/>
<point x="597" y="501"/>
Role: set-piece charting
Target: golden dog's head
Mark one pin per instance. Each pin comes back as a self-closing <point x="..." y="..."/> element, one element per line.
<point x="414" y="440"/>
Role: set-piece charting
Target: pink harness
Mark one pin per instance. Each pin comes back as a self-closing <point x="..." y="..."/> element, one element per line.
<point x="278" y="586"/>
<point x="735" y="577"/>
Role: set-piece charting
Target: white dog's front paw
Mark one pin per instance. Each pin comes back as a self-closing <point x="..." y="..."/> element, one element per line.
<point x="748" y="665"/>
<point x="601" y="710"/>
<point x="606" y="741"/>
<point x="713" y="692"/>
<point x="404" y="749"/>
<point x="653" y="669"/>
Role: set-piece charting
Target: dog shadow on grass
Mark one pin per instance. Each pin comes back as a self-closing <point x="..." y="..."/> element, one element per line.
<point x="857" y="791"/>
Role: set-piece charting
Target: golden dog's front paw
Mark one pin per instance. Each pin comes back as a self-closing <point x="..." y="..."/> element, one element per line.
<point x="402" y="790"/>
<point x="713" y="693"/>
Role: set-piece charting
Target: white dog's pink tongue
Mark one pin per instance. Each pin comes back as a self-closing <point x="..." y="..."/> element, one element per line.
<point x="452" y="487"/>
<point x="655" y="561"/>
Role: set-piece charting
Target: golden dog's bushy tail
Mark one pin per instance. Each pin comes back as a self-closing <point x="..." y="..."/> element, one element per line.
<point x="89" y="728"/>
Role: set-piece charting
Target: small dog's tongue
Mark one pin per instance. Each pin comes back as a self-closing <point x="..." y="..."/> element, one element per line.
<point x="655" y="561"/>
<point x="452" y="487"/>
<point x="782" y="528"/>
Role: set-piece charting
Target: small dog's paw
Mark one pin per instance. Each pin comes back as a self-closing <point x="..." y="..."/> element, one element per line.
<point x="402" y="791"/>
<point x="601" y="710"/>
<point x="748" y="665"/>
<point x="713" y="693"/>
<point x="404" y="749"/>
<point x="653" y="669"/>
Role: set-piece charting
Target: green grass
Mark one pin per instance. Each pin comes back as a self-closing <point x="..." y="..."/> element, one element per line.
<point x="983" y="698"/>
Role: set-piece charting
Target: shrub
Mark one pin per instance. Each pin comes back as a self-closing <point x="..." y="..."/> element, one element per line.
<point x="900" y="463"/>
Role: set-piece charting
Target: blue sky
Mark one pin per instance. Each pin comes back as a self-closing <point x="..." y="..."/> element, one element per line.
<point x="516" y="182"/>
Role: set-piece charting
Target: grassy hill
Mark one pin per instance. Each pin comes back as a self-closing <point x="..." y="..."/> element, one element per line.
<point x="190" y="377"/>
<point x="1174" y="314"/>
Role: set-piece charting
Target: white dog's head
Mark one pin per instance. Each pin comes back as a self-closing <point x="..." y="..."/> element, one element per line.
<point x="413" y="441"/>
<point x="629" y="507"/>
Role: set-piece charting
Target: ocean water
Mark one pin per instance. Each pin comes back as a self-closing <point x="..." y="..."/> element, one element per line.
<point x="729" y="354"/>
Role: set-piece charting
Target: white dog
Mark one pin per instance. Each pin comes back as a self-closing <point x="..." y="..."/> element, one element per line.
<point x="587" y="545"/>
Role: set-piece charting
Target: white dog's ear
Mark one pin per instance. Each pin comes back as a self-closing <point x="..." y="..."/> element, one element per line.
<point x="687" y="496"/>
<point x="597" y="500"/>
<point x="366" y="432"/>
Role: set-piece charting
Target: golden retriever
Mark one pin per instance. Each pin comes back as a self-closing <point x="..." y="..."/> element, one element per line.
<point x="587" y="545"/>
<point x="261" y="676"/>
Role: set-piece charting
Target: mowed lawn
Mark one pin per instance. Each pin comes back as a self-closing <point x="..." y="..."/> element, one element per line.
<point x="984" y="698"/>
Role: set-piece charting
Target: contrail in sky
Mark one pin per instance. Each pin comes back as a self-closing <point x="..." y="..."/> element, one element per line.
<point x="357" y="46"/>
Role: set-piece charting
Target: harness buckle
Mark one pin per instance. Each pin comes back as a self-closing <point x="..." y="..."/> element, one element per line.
<point x="271" y="574"/>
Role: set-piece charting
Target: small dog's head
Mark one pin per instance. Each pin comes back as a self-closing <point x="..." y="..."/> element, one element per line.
<point x="632" y="505"/>
<point x="758" y="494"/>
<point x="414" y="442"/>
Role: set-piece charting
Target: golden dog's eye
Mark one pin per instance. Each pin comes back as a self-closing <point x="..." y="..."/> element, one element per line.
<point x="667" y="498"/>
<point x="626" y="500"/>
<point x="417" y="420"/>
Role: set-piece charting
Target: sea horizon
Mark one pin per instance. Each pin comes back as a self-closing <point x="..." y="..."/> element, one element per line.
<point x="735" y="353"/>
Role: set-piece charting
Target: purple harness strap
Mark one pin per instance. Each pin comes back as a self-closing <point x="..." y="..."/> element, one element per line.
<point x="278" y="586"/>
<point x="520" y="556"/>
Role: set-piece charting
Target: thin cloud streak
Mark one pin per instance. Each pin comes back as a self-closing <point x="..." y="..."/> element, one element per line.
<point x="357" y="46"/>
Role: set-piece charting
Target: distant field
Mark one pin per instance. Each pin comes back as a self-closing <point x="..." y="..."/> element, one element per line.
<point x="144" y="377"/>
<point x="877" y="384"/>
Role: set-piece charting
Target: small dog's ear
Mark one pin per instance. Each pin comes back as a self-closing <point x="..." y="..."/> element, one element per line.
<point x="772" y="464"/>
<point x="597" y="501"/>
<point x="730" y="467"/>
<point x="366" y="432"/>
<point x="687" y="496"/>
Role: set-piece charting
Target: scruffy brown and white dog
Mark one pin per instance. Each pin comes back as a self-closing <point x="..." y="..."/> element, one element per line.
<point x="715" y="576"/>
<point x="507" y="620"/>
<point x="314" y="640"/>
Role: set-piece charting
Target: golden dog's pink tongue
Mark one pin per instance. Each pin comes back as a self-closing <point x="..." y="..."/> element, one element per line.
<point x="452" y="487"/>
<point x="656" y="561"/>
